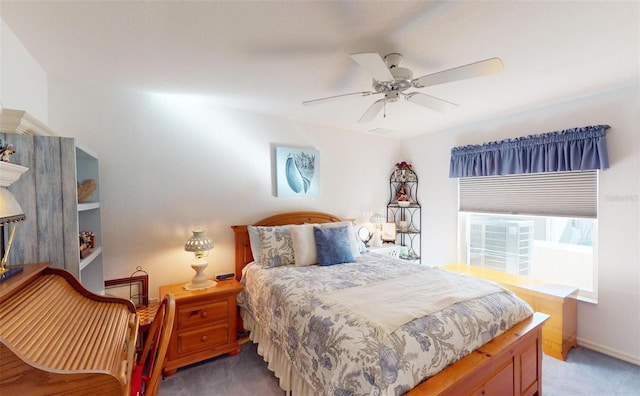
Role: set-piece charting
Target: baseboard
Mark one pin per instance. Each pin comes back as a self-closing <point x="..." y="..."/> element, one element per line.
<point x="609" y="351"/>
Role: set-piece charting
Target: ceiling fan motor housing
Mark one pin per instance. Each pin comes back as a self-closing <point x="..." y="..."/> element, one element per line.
<point x="402" y="76"/>
<point x="392" y="60"/>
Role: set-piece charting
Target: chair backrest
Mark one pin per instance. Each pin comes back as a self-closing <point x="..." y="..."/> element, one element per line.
<point x="156" y="345"/>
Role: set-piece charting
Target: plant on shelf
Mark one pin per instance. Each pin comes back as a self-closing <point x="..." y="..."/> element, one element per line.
<point x="404" y="172"/>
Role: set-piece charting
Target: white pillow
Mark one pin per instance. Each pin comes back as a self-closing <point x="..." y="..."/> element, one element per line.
<point x="353" y="241"/>
<point x="304" y="245"/>
<point x="254" y="241"/>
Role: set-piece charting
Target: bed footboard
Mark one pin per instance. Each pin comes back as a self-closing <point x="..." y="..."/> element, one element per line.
<point x="510" y="364"/>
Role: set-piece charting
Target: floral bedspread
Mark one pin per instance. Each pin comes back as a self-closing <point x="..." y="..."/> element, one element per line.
<point x="337" y="355"/>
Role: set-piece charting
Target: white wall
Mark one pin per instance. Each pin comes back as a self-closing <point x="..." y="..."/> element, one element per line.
<point x="169" y="163"/>
<point x="149" y="146"/>
<point x="612" y="325"/>
<point x="23" y="82"/>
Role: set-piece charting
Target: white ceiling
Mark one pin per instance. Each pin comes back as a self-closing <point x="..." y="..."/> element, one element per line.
<point x="268" y="57"/>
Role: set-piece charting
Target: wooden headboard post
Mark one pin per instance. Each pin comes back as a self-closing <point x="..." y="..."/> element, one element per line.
<point x="243" y="249"/>
<point x="243" y="246"/>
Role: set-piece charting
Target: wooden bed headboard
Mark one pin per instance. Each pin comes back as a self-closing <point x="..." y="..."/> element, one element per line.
<point x="243" y="247"/>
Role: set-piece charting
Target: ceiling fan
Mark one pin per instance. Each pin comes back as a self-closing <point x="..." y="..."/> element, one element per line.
<point x="392" y="81"/>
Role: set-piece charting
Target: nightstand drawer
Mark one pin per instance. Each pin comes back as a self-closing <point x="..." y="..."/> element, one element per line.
<point x="203" y="338"/>
<point x="199" y="314"/>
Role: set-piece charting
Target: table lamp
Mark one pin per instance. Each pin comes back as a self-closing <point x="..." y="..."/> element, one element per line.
<point x="377" y="219"/>
<point x="10" y="212"/>
<point x="200" y="244"/>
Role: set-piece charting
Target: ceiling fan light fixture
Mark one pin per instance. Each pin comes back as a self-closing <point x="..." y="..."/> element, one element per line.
<point x="391" y="96"/>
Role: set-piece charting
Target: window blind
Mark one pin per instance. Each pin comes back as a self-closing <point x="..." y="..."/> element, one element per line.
<point x="568" y="194"/>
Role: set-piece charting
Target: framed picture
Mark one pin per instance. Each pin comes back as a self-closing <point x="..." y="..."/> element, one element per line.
<point x="297" y="172"/>
<point x="134" y="288"/>
<point x="389" y="232"/>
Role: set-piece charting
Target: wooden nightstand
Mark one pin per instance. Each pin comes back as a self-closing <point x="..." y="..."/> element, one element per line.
<point x="205" y="324"/>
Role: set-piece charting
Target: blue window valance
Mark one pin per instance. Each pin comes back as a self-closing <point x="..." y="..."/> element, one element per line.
<point x="569" y="150"/>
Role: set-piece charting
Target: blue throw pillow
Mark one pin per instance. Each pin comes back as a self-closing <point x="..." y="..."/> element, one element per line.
<point x="333" y="245"/>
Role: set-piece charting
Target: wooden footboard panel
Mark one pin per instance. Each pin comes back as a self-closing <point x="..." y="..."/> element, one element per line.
<point x="510" y="364"/>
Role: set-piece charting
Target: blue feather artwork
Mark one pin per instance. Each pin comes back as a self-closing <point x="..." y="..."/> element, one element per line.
<point x="297" y="172"/>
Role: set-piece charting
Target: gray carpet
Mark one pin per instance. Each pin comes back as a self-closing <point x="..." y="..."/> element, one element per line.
<point x="584" y="373"/>
<point x="245" y="374"/>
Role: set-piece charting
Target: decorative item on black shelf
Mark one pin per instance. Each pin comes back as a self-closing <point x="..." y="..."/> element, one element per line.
<point x="87" y="242"/>
<point x="404" y="172"/>
<point x="402" y="196"/>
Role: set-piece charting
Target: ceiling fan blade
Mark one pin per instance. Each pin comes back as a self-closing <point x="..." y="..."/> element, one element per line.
<point x="477" y="69"/>
<point x="372" y="112"/>
<point x="430" y="102"/>
<point x="374" y="65"/>
<point x="321" y="100"/>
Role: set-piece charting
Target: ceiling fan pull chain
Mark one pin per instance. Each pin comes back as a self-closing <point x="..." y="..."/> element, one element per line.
<point x="384" y="109"/>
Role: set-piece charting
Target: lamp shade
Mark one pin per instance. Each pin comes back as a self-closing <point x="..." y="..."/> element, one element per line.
<point x="377" y="218"/>
<point x="10" y="210"/>
<point x="199" y="242"/>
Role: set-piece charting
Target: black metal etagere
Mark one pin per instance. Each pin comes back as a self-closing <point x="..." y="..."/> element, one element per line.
<point x="404" y="210"/>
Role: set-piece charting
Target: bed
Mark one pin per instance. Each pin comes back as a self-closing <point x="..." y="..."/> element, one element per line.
<point x="333" y="329"/>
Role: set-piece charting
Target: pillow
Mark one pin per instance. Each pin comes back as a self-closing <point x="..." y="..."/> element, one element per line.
<point x="333" y="245"/>
<point x="304" y="245"/>
<point x="353" y="240"/>
<point x="254" y="241"/>
<point x="277" y="247"/>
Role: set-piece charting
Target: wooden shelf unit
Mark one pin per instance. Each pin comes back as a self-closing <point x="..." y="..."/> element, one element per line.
<point x="48" y="194"/>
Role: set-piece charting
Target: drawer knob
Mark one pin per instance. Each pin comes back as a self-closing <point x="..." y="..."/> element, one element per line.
<point x="204" y="338"/>
<point x="203" y="314"/>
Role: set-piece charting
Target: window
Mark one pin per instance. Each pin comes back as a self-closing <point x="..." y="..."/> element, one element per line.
<point x="543" y="226"/>
<point x="555" y="249"/>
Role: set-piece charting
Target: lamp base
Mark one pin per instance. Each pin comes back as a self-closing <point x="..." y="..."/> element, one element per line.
<point x="200" y="285"/>
<point x="199" y="281"/>
<point x="376" y="241"/>
<point x="7" y="273"/>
